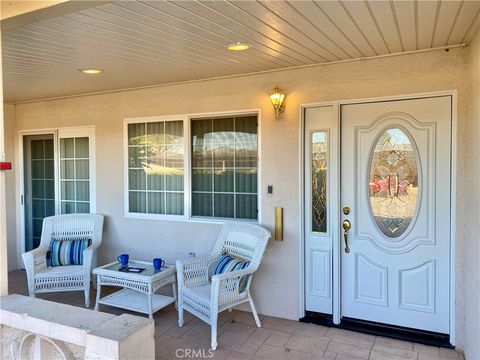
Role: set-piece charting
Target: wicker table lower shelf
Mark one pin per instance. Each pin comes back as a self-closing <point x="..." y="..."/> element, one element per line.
<point x="138" y="293"/>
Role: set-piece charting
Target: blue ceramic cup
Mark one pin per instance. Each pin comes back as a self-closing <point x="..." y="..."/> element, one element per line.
<point x="123" y="259"/>
<point x="158" y="263"/>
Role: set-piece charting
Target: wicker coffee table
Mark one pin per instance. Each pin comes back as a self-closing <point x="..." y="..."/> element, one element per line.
<point x="138" y="293"/>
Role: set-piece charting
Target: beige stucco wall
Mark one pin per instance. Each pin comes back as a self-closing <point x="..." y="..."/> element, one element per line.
<point x="470" y="235"/>
<point x="276" y="287"/>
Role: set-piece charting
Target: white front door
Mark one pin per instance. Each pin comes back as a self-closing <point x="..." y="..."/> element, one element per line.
<point x="395" y="178"/>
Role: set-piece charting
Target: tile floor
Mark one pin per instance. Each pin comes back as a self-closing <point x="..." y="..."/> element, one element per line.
<point x="240" y="339"/>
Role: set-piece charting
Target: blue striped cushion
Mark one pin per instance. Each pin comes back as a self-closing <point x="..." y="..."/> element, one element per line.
<point x="68" y="252"/>
<point x="226" y="263"/>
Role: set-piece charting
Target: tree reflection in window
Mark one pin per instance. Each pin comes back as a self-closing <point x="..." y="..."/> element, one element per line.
<point x="156" y="167"/>
<point x="319" y="181"/>
<point x="224" y="167"/>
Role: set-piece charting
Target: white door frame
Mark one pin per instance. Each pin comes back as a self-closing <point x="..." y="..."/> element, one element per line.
<point x="336" y="291"/>
<point x="20" y="192"/>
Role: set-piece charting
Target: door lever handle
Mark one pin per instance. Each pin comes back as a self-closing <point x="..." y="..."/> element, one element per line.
<point x="346" y="227"/>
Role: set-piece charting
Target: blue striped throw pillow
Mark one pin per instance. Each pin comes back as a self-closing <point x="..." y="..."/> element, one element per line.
<point x="68" y="252"/>
<point x="226" y="263"/>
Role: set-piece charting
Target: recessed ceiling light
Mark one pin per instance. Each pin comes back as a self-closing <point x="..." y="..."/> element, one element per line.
<point x="237" y="46"/>
<point x="91" y="71"/>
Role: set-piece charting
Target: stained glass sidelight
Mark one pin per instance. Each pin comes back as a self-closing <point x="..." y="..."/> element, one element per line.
<point x="319" y="181"/>
<point x="393" y="182"/>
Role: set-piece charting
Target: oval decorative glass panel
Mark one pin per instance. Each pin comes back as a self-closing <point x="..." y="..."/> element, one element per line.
<point x="393" y="182"/>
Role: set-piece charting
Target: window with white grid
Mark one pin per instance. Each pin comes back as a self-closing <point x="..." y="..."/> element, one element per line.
<point x="224" y="167"/>
<point x="156" y="167"/>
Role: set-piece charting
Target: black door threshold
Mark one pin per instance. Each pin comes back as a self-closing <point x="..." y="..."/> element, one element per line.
<point x="379" y="329"/>
<point x="397" y="332"/>
<point x="317" y="318"/>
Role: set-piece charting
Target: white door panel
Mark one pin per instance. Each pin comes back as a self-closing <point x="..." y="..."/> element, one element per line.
<point x="320" y="139"/>
<point x="395" y="177"/>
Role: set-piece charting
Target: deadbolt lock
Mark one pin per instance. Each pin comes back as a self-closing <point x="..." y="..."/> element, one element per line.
<point x="346" y="210"/>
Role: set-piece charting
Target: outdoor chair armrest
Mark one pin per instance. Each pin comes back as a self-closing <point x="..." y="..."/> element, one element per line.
<point x="226" y="286"/>
<point x="193" y="272"/>
<point x="35" y="260"/>
<point x="88" y="256"/>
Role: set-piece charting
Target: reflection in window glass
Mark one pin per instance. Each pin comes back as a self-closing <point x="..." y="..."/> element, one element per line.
<point x="393" y="184"/>
<point x="74" y="175"/>
<point x="156" y="167"/>
<point x="224" y="167"/>
<point x="43" y="186"/>
<point x="319" y="181"/>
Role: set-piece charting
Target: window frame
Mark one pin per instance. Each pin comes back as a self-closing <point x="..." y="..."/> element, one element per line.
<point x="147" y="120"/>
<point x="187" y="179"/>
<point x="75" y="132"/>
<point x="207" y="116"/>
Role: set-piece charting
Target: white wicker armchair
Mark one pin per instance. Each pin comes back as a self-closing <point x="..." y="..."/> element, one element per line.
<point x="206" y="299"/>
<point x="42" y="278"/>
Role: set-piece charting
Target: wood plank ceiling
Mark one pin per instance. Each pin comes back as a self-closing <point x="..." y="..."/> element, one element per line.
<point x="140" y="43"/>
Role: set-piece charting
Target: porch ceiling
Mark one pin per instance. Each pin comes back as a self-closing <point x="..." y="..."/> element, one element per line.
<point x="140" y="43"/>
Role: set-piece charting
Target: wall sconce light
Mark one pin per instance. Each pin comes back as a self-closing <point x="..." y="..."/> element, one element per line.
<point x="278" y="101"/>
